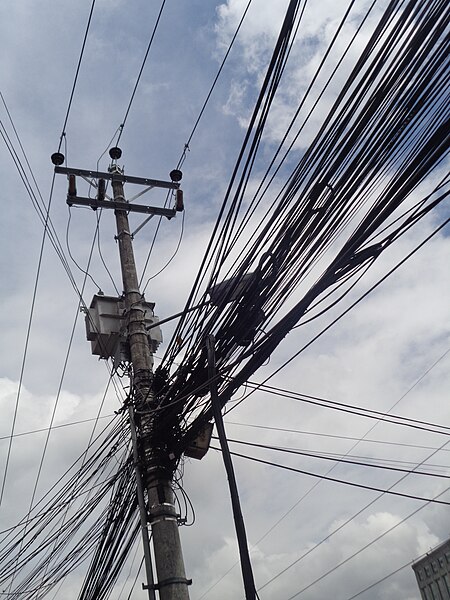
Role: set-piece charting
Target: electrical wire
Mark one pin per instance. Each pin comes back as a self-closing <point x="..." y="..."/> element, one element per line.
<point x="101" y="255"/>
<point x="328" y="435"/>
<point x="321" y="216"/>
<point x="46" y="219"/>
<point x="85" y="456"/>
<point x="213" y="85"/>
<point x="175" y="252"/>
<point x="64" y="532"/>
<point x="130" y="571"/>
<point x="348" y="309"/>
<point x="357" y="440"/>
<point x="380" y="416"/>
<point x="339" y="458"/>
<point x="135" y="580"/>
<point x="80" y="304"/>
<point x="191" y="135"/>
<point x="27" y="339"/>
<point x="337" y="480"/>
<point x="353" y="151"/>
<point x="140" y="72"/>
<point x="85" y="273"/>
<point x="351" y="518"/>
<point x="60" y="426"/>
<point x="345" y="561"/>
<point x="77" y="72"/>
<point x="382" y="580"/>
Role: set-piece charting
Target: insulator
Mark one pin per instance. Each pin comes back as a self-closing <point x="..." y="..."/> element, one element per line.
<point x="115" y="153"/>
<point x="179" y="203"/>
<point x="175" y="175"/>
<point x="101" y="189"/>
<point x="72" y="185"/>
<point x="57" y="158"/>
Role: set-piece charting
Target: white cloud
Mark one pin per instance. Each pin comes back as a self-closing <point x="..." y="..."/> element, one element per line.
<point x="371" y="358"/>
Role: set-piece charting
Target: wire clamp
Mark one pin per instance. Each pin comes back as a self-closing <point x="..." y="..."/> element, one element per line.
<point x="122" y="233"/>
<point x="168" y="581"/>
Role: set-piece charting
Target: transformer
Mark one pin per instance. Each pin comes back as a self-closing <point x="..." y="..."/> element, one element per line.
<point x="106" y="327"/>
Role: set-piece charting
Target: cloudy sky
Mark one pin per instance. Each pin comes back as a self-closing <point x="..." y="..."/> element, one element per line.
<point x="310" y="538"/>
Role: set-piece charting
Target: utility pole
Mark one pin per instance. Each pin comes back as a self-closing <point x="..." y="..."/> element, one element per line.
<point x="154" y="465"/>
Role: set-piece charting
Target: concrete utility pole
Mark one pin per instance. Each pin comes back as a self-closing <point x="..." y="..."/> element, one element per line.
<point x="105" y="321"/>
<point x="155" y="466"/>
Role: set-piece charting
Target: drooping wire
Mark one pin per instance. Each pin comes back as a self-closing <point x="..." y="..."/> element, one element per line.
<point x="100" y="212"/>
<point x="86" y="273"/>
<point x="175" y="252"/>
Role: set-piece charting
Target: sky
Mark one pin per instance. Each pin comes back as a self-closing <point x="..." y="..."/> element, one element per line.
<point x="391" y="353"/>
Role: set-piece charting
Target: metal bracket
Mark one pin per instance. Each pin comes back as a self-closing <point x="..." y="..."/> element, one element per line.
<point x="142" y="225"/>
<point x="168" y="581"/>
<point x="122" y="233"/>
<point x="168" y="185"/>
<point x="162" y="512"/>
<point x="95" y="203"/>
<point x="136" y="196"/>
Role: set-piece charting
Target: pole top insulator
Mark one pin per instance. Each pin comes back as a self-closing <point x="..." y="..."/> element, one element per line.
<point x="115" y="153"/>
<point x="57" y="158"/>
<point x="176" y="175"/>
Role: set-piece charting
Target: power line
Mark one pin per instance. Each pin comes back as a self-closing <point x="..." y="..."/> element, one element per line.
<point x="175" y="252"/>
<point x="77" y="71"/>
<point x="108" y="474"/>
<point x="348" y="309"/>
<point x="380" y="416"/>
<point x="191" y="135"/>
<point x="85" y="272"/>
<point x="332" y="436"/>
<point x="140" y="72"/>
<point x="27" y="339"/>
<point x="350" y="519"/>
<point x="339" y="458"/>
<point x="336" y="480"/>
<point x="62" y="425"/>
<point x="135" y="579"/>
<point x="383" y="579"/>
<point x="366" y="546"/>
<point x="46" y="222"/>
<point x="395" y="192"/>
<point x="36" y="200"/>
<point x="213" y="85"/>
